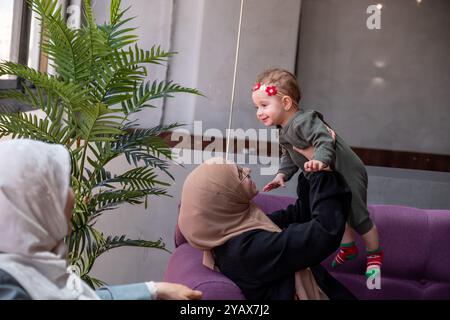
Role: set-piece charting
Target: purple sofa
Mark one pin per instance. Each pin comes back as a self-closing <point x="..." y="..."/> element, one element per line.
<point x="416" y="244"/>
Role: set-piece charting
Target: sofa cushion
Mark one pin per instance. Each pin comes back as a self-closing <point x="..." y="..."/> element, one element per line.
<point x="393" y="288"/>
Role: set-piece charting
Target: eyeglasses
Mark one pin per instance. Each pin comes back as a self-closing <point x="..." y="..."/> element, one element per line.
<point x="243" y="173"/>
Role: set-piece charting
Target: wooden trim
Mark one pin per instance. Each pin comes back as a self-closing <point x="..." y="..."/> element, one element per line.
<point x="43" y="58"/>
<point x="404" y="159"/>
<point x="23" y="45"/>
<point x="24" y="34"/>
<point x="370" y="157"/>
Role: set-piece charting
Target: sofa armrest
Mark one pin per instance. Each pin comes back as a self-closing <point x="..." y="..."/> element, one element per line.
<point x="185" y="267"/>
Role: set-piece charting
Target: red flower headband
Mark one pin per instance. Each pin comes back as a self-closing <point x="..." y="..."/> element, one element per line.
<point x="271" y="90"/>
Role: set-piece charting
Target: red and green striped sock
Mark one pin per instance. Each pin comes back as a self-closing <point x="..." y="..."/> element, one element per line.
<point x="374" y="261"/>
<point x="347" y="251"/>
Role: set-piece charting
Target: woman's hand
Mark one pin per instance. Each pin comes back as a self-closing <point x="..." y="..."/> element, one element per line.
<point x="331" y="132"/>
<point x="175" y="291"/>
<point x="275" y="183"/>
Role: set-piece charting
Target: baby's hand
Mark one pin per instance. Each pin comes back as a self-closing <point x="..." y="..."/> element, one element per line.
<point x="275" y="183"/>
<point x="331" y="132"/>
<point x="315" y="165"/>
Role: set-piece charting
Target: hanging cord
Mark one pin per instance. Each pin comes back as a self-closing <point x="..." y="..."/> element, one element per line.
<point x="234" y="81"/>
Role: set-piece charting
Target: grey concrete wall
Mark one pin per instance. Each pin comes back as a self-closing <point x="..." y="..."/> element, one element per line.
<point x="387" y="88"/>
<point x="186" y="40"/>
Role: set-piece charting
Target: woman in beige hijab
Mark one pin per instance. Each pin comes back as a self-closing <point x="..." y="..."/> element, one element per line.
<point x="35" y="210"/>
<point x="274" y="256"/>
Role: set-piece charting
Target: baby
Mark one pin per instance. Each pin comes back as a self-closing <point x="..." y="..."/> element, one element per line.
<point x="304" y="134"/>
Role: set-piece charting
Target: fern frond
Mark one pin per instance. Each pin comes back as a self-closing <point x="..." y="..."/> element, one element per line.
<point x="71" y="94"/>
<point x="93" y="282"/>
<point x="62" y="44"/>
<point x="116" y="77"/>
<point x="116" y="36"/>
<point x="108" y="200"/>
<point x="99" y="124"/>
<point x="134" y="179"/>
<point x="23" y="125"/>
<point x="145" y="145"/>
<point x="122" y="195"/>
<point x="150" y="91"/>
<point x="120" y="241"/>
<point x="84" y="242"/>
<point x="39" y="99"/>
<point x="112" y="242"/>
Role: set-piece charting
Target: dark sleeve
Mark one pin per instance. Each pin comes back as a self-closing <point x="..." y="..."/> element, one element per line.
<point x="298" y="212"/>
<point x="10" y="289"/>
<point x="272" y="255"/>
<point x="292" y="214"/>
<point x="331" y="286"/>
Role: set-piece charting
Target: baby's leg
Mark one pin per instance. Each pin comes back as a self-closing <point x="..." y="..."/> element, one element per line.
<point x="349" y="235"/>
<point x="374" y="251"/>
<point x="371" y="239"/>
<point x="360" y="221"/>
<point x="348" y="249"/>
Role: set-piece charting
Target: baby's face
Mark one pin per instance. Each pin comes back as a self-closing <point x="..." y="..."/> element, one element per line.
<point x="269" y="109"/>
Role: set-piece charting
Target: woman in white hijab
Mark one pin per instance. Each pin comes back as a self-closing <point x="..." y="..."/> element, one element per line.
<point x="36" y="204"/>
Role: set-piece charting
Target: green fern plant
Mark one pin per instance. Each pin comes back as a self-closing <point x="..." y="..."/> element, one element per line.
<point x="99" y="83"/>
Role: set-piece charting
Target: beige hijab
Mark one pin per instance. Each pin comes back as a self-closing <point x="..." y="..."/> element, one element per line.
<point x="216" y="206"/>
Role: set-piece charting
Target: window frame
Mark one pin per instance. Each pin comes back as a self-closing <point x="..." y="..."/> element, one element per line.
<point x="23" y="48"/>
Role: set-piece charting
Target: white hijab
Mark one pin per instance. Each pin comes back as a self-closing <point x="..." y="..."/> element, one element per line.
<point x="34" y="183"/>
